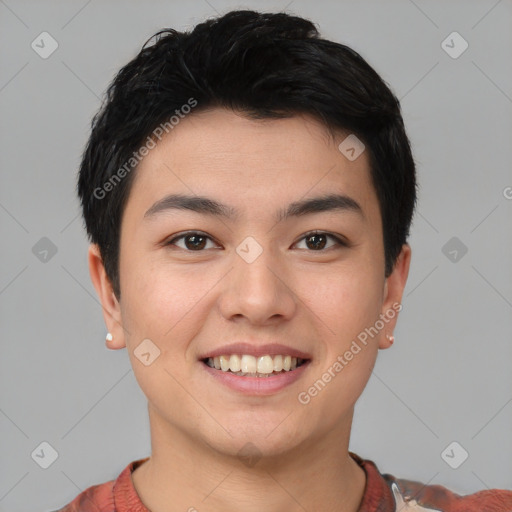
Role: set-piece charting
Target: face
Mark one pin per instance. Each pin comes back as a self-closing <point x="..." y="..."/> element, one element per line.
<point x="261" y="273"/>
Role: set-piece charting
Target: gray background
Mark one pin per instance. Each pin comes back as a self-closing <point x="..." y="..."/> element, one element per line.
<point x="447" y="378"/>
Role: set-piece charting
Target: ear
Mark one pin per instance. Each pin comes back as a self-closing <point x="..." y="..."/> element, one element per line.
<point x="393" y="291"/>
<point x="109" y="302"/>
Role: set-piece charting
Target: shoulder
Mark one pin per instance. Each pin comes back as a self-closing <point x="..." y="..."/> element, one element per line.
<point x="97" y="498"/>
<point x="386" y="493"/>
<point x="416" y="496"/>
<point x="116" y="495"/>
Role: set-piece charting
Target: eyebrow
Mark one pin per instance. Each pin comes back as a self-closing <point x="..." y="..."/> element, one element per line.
<point x="208" y="206"/>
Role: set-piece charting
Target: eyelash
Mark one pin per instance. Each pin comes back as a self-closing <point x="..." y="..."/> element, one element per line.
<point x="337" y="239"/>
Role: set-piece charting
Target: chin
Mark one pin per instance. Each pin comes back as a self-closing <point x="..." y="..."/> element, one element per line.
<point x="257" y="442"/>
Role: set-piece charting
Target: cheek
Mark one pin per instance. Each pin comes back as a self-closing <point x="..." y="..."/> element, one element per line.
<point x="156" y="305"/>
<point x="161" y="302"/>
<point x="349" y="296"/>
<point x="176" y="292"/>
<point x="347" y="303"/>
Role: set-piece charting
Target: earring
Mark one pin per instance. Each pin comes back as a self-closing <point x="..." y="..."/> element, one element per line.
<point x="391" y="339"/>
<point x="109" y="337"/>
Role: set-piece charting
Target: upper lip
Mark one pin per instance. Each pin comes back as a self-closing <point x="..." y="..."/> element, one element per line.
<point x="272" y="349"/>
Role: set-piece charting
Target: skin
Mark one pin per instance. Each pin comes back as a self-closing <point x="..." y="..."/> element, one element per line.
<point x="315" y="299"/>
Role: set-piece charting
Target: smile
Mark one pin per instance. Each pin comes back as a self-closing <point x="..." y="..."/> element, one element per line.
<point x="247" y="365"/>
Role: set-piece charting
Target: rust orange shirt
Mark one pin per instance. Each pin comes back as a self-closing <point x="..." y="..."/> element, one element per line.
<point x="383" y="493"/>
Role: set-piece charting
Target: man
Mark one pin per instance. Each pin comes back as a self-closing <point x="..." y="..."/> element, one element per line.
<point x="248" y="189"/>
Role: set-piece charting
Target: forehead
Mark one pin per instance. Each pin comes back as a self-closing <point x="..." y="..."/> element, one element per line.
<point x="252" y="166"/>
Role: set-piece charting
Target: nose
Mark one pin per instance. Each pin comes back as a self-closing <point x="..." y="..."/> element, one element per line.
<point x="261" y="291"/>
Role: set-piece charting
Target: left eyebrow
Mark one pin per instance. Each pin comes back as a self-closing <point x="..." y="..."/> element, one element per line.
<point x="208" y="206"/>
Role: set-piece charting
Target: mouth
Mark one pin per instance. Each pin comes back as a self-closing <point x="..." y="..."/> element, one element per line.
<point x="246" y="365"/>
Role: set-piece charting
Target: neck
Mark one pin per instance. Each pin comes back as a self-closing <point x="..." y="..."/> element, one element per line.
<point x="184" y="474"/>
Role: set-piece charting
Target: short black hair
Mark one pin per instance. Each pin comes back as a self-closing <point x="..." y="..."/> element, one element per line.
<point x="261" y="65"/>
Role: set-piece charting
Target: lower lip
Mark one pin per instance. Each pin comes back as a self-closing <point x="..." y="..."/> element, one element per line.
<point x="257" y="385"/>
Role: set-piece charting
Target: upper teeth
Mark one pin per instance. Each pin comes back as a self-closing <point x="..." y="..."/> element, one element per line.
<point x="250" y="364"/>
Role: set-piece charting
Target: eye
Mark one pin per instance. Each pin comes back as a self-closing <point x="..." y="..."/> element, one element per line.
<point x="194" y="241"/>
<point x="197" y="241"/>
<point x="317" y="240"/>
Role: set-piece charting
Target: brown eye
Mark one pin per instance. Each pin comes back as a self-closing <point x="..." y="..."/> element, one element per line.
<point x="317" y="241"/>
<point x="193" y="241"/>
